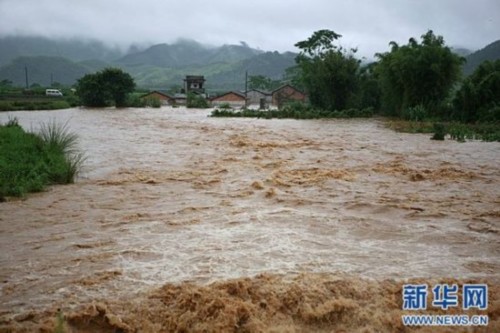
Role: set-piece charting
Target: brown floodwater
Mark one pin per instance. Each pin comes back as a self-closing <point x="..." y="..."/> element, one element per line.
<point x="170" y="196"/>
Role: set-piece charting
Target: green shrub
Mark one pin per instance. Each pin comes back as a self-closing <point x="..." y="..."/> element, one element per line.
<point x="439" y="132"/>
<point x="29" y="162"/>
<point x="153" y="102"/>
<point x="416" y="113"/>
<point x="196" y="101"/>
<point x="294" y="111"/>
<point x="225" y="106"/>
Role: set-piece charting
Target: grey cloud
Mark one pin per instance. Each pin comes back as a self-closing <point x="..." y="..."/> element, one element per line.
<point x="369" y="25"/>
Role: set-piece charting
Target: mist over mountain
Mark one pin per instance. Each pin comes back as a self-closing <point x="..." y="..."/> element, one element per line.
<point x="490" y="52"/>
<point x="187" y="53"/>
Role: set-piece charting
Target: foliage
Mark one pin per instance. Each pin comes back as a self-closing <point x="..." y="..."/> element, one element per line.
<point x="107" y="87"/>
<point x="439" y="132"/>
<point x="327" y="72"/>
<point x="153" y="102"/>
<point x="415" y="113"/>
<point x="479" y="97"/>
<point x="368" y="93"/>
<point x="417" y="74"/>
<point x="263" y="83"/>
<point x="294" y="111"/>
<point x="456" y="131"/>
<point x="225" y="106"/>
<point x="29" y="162"/>
<point x="196" y="101"/>
<point x="33" y="105"/>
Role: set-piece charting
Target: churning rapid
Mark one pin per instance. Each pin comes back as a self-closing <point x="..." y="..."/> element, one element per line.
<point x="179" y="219"/>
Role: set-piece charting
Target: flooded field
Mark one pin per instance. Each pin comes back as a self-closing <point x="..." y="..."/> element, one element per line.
<point x="279" y="225"/>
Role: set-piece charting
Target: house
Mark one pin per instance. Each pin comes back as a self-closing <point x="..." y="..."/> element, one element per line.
<point x="234" y="98"/>
<point x="258" y="97"/>
<point x="287" y="93"/>
<point x="194" y="84"/>
<point x="163" y="97"/>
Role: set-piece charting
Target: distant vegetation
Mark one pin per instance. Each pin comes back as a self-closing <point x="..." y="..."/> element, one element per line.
<point x="294" y="111"/>
<point x="14" y="98"/>
<point x="110" y="86"/>
<point x="419" y="83"/>
<point x="29" y="162"/>
<point x="196" y="101"/>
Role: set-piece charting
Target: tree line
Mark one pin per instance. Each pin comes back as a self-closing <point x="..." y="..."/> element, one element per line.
<point x="419" y="80"/>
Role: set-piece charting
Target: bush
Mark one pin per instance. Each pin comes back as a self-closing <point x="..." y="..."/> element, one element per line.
<point x="225" y="106"/>
<point x="29" y="162"/>
<point x="196" y="101"/>
<point x="416" y="113"/>
<point x="153" y="102"/>
<point x="294" y="111"/>
<point x="439" y="132"/>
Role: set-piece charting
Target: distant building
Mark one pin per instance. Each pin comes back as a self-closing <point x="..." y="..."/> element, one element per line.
<point x="164" y="98"/>
<point x="258" y="97"/>
<point x="234" y="98"/>
<point x="194" y="84"/>
<point x="287" y="93"/>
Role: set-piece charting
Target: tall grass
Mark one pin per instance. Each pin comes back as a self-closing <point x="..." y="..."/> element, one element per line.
<point x="29" y="162"/>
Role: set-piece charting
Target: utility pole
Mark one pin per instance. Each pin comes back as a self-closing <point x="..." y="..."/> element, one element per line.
<point x="246" y="89"/>
<point x="26" y="75"/>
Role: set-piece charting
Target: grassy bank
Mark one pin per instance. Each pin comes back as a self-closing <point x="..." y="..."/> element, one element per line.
<point x="30" y="104"/>
<point x="454" y="130"/>
<point x="29" y="162"/>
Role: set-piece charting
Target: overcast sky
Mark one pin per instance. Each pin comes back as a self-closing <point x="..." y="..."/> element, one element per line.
<point x="265" y="24"/>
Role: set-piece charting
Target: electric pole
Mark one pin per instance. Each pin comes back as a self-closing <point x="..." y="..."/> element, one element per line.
<point x="26" y="75"/>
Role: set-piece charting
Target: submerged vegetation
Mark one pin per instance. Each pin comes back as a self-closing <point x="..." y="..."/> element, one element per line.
<point x="31" y="161"/>
<point x="294" y="111"/>
<point x="453" y="130"/>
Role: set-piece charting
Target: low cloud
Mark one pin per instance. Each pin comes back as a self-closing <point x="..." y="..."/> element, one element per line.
<point x="269" y="25"/>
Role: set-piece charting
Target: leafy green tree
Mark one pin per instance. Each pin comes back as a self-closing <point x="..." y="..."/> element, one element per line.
<point x="479" y="97"/>
<point x="368" y="94"/>
<point x="327" y="72"/>
<point x="196" y="101"/>
<point x="107" y="87"/>
<point x="262" y="82"/>
<point x="417" y="74"/>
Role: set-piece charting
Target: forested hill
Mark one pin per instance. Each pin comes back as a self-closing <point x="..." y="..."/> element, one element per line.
<point x="490" y="52"/>
<point x="159" y="66"/>
<point x="188" y="53"/>
<point x="72" y="49"/>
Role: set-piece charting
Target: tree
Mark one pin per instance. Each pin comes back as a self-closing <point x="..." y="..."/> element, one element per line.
<point x="479" y="97"/>
<point x="262" y="82"/>
<point x="107" y="87"/>
<point x="417" y="74"/>
<point x="327" y="72"/>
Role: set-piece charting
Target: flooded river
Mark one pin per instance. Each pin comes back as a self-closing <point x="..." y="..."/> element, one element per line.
<point x="170" y="196"/>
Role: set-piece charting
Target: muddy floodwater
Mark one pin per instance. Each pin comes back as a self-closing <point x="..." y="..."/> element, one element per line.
<point x="170" y="197"/>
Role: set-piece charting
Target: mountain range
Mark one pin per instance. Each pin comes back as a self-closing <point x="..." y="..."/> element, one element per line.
<point x="160" y="66"/>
